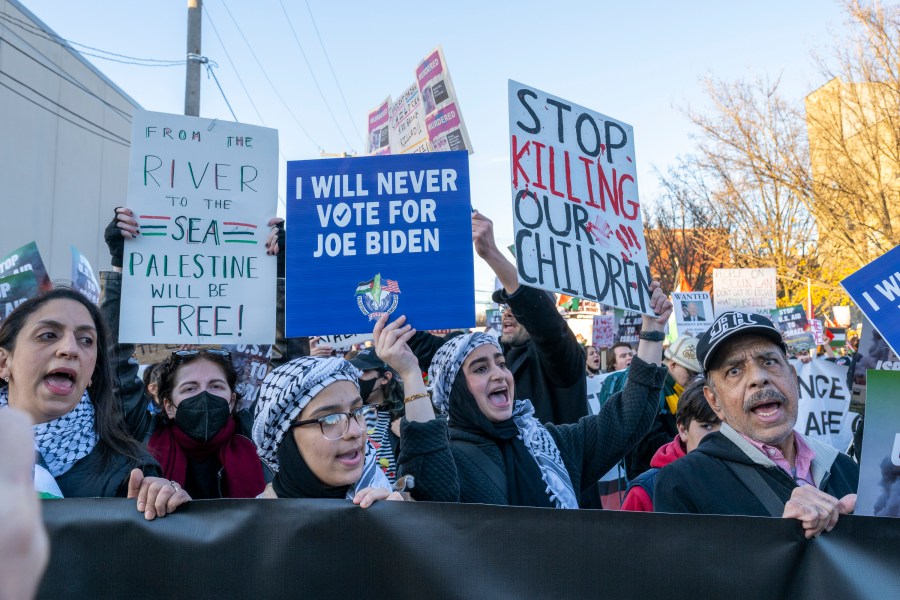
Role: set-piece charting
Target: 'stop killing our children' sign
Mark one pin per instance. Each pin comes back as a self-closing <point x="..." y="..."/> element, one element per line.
<point x="202" y="191"/>
<point x="576" y="212"/>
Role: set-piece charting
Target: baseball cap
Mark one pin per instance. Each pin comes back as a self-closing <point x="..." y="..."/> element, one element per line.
<point x="731" y="324"/>
<point x="367" y="360"/>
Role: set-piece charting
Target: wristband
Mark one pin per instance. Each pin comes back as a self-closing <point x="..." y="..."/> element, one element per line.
<point x="409" y="399"/>
<point x="653" y="336"/>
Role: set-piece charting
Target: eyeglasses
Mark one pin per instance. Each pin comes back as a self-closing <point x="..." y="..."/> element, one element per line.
<point x="214" y="351"/>
<point x="335" y="425"/>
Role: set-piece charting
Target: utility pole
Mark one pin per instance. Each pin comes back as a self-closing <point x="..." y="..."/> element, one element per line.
<point x="192" y="72"/>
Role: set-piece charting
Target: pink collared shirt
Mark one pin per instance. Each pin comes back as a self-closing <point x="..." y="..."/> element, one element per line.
<point x="803" y="459"/>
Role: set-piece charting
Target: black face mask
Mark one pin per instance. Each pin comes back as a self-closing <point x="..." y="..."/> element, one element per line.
<point x="366" y="387"/>
<point x="202" y="416"/>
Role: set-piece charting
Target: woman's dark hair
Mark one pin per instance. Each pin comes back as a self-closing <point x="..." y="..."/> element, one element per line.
<point x="692" y="405"/>
<point x="393" y="397"/>
<point x="151" y="374"/>
<point x="109" y="422"/>
<point x="168" y="371"/>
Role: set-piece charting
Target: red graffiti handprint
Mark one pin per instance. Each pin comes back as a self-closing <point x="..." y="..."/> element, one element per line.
<point x="600" y="230"/>
<point x="625" y="235"/>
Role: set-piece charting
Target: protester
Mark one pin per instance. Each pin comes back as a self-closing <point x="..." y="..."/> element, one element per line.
<point x="694" y="419"/>
<point x="500" y="453"/>
<point x="54" y="363"/>
<point x="24" y="549"/>
<point x="756" y="464"/>
<point x="619" y="357"/>
<point x="379" y="386"/>
<point x="310" y="430"/>
<point x="544" y="357"/>
<point x="592" y="366"/>
<point x="198" y="440"/>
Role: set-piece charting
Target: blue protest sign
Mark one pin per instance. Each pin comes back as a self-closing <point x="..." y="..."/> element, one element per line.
<point x="378" y="234"/>
<point x="876" y="290"/>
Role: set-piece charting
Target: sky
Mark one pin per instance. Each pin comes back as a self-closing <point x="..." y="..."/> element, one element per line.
<point x="314" y="69"/>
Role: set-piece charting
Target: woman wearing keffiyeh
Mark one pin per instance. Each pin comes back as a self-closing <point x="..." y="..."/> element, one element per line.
<point x="310" y="429"/>
<point x="490" y="449"/>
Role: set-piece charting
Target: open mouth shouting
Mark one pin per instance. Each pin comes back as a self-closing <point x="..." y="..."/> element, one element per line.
<point x="499" y="397"/>
<point x="767" y="405"/>
<point x="61" y="381"/>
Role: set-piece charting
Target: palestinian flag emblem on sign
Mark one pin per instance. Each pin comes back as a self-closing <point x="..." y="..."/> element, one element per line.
<point x="377" y="297"/>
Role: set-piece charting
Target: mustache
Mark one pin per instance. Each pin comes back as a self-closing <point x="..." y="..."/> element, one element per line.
<point x="764" y="397"/>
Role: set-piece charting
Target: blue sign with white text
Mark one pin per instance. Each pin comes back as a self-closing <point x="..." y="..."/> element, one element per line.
<point x="876" y="290"/>
<point x="378" y="234"/>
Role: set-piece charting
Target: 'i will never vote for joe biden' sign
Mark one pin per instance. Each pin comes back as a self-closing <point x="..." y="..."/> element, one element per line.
<point x="379" y="234"/>
<point x="576" y="213"/>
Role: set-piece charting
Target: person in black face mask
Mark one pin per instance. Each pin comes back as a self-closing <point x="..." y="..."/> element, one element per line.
<point x="198" y="443"/>
<point x="379" y="386"/>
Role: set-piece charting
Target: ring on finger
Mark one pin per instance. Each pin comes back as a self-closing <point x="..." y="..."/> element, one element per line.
<point x="175" y="486"/>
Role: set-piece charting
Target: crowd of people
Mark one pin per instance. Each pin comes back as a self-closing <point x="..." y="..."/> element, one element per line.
<point x="705" y="425"/>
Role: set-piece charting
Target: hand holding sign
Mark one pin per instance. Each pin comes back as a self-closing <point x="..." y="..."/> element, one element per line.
<point x="661" y="307"/>
<point x="391" y="347"/>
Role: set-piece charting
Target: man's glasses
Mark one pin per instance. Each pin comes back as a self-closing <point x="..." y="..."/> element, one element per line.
<point x="335" y="425"/>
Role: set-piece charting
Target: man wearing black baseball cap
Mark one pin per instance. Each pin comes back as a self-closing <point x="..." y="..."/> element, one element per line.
<point x="756" y="464"/>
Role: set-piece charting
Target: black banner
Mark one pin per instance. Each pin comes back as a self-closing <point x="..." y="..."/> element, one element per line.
<point x="103" y="548"/>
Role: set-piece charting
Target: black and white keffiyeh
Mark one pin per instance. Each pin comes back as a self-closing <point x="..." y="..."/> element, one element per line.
<point x="537" y="440"/>
<point x="284" y="394"/>
<point x="65" y="440"/>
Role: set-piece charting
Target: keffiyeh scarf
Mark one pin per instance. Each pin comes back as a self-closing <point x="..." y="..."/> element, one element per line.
<point x="537" y="440"/>
<point x="65" y="440"/>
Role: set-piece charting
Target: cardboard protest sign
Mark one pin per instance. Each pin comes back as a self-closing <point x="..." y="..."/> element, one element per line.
<point x="823" y="411"/>
<point x="745" y="290"/>
<point x="576" y="212"/>
<point x="202" y="191"/>
<point x="604" y="331"/>
<point x="407" y="123"/>
<point x="251" y="363"/>
<point x="375" y="235"/>
<point x="876" y="290"/>
<point x="443" y="119"/>
<point x="83" y="278"/>
<point x="794" y="327"/>
<point x="16" y="289"/>
<point x="379" y="141"/>
<point x="26" y="258"/>
<point x="879" y="471"/>
<point x="628" y="327"/>
<point x="693" y="312"/>
<point x="873" y="354"/>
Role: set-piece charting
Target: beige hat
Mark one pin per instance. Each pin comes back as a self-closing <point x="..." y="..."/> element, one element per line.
<point x="684" y="352"/>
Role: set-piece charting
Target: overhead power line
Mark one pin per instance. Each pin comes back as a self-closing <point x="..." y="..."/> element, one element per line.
<point x="336" y="80"/>
<point x="313" y="75"/>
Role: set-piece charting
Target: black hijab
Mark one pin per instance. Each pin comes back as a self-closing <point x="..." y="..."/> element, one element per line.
<point x="294" y="478"/>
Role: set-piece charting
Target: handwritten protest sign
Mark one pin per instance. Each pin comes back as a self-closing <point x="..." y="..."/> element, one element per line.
<point x="202" y="191"/>
<point x="83" y="278"/>
<point x="628" y="326"/>
<point x="375" y="235"/>
<point x="443" y="119"/>
<point x="693" y="312"/>
<point x="745" y="290"/>
<point x="876" y="290"/>
<point x="26" y="258"/>
<point x="879" y="471"/>
<point x="576" y="213"/>
<point x="823" y="411"/>
<point x="604" y="331"/>
<point x="16" y="289"/>
<point x="818" y="330"/>
<point x="379" y="141"/>
<point x="407" y="123"/>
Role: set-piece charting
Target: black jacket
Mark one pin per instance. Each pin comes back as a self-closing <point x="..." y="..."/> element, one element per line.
<point x="702" y="483"/>
<point x="589" y="448"/>
<point x="548" y="368"/>
<point x="91" y="477"/>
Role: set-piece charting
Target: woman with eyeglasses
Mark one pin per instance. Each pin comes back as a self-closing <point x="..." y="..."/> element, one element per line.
<point x="54" y="366"/>
<point x="310" y="428"/>
<point x="197" y="439"/>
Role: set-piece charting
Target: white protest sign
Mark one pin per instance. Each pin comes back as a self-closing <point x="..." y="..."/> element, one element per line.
<point x="443" y="118"/>
<point x="407" y="123"/>
<point x="202" y="191"/>
<point x="818" y="331"/>
<point x="342" y="343"/>
<point x="693" y="312"/>
<point x="604" y="331"/>
<point x="745" y="290"/>
<point x="576" y="212"/>
<point x="823" y="412"/>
